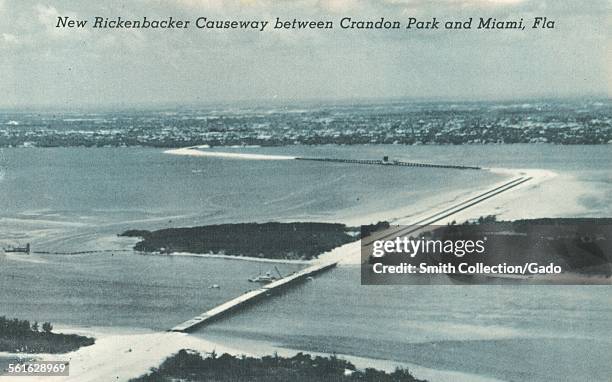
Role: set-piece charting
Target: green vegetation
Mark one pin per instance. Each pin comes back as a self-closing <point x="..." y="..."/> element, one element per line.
<point x="578" y="245"/>
<point x="19" y="336"/>
<point x="267" y="240"/>
<point x="191" y="366"/>
<point x="367" y="230"/>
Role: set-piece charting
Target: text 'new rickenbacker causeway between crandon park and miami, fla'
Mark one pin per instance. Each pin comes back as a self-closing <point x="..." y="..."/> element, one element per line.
<point x="345" y="23"/>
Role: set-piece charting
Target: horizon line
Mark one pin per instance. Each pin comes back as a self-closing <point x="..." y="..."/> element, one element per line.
<point x="278" y="102"/>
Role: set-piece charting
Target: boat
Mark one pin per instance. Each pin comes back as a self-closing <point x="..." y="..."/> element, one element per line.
<point x="264" y="279"/>
<point x="267" y="278"/>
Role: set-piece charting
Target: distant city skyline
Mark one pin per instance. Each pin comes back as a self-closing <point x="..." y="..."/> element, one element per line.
<point x="45" y="66"/>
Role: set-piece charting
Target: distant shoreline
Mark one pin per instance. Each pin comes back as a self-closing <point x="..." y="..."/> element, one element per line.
<point x="562" y="121"/>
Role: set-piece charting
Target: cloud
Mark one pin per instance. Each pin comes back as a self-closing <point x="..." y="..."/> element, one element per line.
<point x="8" y="41"/>
<point x="183" y="66"/>
<point x="9" y="38"/>
<point x="208" y="4"/>
<point x="459" y="3"/>
<point x="339" y="6"/>
<point x="46" y="14"/>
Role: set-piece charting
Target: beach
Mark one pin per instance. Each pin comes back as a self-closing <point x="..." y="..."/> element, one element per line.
<point x="118" y="355"/>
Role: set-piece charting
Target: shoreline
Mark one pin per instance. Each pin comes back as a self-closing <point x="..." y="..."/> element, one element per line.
<point x="125" y="353"/>
<point x="405" y="215"/>
<point x="193" y="151"/>
<point x="230" y="257"/>
<point x="263" y="347"/>
<point x="350" y="254"/>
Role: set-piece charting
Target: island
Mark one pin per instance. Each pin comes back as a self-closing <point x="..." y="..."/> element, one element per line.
<point x="189" y="365"/>
<point x="294" y="241"/>
<point x="21" y="336"/>
<point x="578" y="246"/>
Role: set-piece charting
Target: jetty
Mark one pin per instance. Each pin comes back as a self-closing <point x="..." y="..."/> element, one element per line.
<point x="251" y="297"/>
<point x="196" y="151"/>
<point x="17" y="249"/>
<point x="386" y="162"/>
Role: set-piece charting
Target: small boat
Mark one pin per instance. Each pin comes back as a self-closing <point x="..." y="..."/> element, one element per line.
<point x="264" y="279"/>
<point x="267" y="278"/>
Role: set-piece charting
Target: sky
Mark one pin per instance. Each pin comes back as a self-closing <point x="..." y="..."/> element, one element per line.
<point x="41" y="65"/>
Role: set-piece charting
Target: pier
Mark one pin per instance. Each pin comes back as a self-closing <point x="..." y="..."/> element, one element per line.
<point x="197" y="151"/>
<point x="386" y="162"/>
<point x="251" y="296"/>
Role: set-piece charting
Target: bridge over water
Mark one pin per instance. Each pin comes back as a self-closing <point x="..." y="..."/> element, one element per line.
<point x="286" y="282"/>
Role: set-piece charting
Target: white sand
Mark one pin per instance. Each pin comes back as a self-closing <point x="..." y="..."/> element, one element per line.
<point x="258" y="348"/>
<point x="548" y="195"/>
<point x="120" y="357"/>
<point x="509" y="204"/>
<point x="117" y="356"/>
<point x="239" y="258"/>
<point x="193" y="151"/>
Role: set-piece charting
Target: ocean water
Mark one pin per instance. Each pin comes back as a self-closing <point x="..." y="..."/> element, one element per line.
<point x="120" y="289"/>
<point x="72" y="199"/>
<point x="78" y="199"/>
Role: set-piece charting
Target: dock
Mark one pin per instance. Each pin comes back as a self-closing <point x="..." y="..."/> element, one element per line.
<point x="250" y="297"/>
